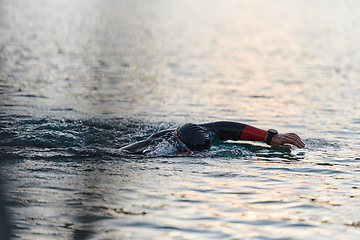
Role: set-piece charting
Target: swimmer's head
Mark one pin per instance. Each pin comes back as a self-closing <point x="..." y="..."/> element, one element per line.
<point x="194" y="137"/>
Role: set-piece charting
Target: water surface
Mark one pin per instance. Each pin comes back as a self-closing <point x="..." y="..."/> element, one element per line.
<point x="80" y="79"/>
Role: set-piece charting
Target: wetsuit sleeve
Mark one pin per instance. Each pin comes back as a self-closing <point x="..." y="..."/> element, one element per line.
<point x="235" y="131"/>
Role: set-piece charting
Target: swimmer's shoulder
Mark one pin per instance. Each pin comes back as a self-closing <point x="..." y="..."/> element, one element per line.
<point x="211" y="126"/>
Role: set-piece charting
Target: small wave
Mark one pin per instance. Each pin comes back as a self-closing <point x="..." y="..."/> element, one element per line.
<point x="62" y="133"/>
<point x="317" y="143"/>
<point x="164" y="148"/>
<point x="32" y="96"/>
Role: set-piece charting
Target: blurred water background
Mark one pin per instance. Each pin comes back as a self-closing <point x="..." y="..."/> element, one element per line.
<point x="80" y="79"/>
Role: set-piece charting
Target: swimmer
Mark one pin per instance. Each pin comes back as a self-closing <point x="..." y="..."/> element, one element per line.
<point x="192" y="138"/>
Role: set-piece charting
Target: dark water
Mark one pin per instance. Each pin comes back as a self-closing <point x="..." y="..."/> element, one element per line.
<point x="80" y="79"/>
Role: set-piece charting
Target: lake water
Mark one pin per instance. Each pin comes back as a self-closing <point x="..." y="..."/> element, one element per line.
<point x="80" y="79"/>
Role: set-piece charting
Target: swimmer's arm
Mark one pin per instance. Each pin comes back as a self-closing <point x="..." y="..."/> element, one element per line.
<point x="136" y="147"/>
<point x="239" y="131"/>
<point x="235" y="131"/>
<point x="140" y="146"/>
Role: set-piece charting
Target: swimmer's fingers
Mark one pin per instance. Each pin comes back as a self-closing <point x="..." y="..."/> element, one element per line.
<point x="284" y="146"/>
<point x="283" y="140"/>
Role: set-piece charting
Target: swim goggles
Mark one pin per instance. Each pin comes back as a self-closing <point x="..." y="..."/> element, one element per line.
<point x="183" y="144"/>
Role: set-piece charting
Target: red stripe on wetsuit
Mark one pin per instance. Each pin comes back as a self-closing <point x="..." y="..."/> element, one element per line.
<point x="253" y="134"/>
<point x="235" y="131"/>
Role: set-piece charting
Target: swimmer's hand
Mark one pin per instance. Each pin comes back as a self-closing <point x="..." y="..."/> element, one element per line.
<point x="283" y="140"/>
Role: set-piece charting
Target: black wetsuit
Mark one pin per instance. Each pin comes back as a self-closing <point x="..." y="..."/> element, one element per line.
<point x="222" y="131"/>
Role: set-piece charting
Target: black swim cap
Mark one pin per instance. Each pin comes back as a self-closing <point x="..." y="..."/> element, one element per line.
<point x="194" y="137"/>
